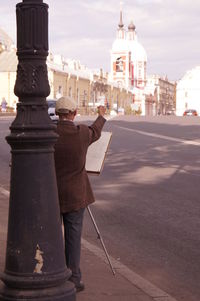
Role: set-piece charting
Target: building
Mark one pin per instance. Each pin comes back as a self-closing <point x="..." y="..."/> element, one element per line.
<point x="8" y="65"/>
<point x="87" y="87"/>
<point x="128" y="64"/>
<point x="160" y="96"/>
<point x="188" y="92"/>
<point x="6" y="42"/>
<point x="66" y="77"/>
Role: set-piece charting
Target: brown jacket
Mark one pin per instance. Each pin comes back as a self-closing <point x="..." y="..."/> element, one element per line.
<point x="74" y="188"/>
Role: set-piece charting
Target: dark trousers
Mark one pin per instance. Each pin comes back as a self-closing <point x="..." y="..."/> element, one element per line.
<point x="73" y="222"/>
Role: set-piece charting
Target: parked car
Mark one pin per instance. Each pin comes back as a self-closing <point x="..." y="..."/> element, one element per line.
<point x="52" y="110"/>
<point x="190" y="112"/>
<point x="169" y="112"/>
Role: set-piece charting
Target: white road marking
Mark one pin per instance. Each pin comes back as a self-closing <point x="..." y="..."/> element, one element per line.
<point x="6" y="118"/>
<point x="189" y="142"/>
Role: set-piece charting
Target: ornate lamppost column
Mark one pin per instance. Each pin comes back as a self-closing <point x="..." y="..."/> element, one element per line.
<point x="35" y="266"/>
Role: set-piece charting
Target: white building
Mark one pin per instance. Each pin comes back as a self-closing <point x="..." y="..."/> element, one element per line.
<point x="128" y="63"/>
<point x="188" y="92"/>
<point x="6" y="42"/>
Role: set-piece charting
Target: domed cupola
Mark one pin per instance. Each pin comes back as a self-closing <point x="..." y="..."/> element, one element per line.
<point x="137" y="50"/>
<point x="131" y="32"/>
<point x="131" y="26"/>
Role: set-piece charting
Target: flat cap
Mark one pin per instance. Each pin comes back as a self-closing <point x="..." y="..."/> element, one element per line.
<point x="65" y="105"/>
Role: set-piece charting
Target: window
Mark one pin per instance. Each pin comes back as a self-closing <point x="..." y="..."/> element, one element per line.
<point x="59" y="92"/>
<point x="119" y="65"/>
<point x="70" y="91"/>
<point x="78" y="98"/>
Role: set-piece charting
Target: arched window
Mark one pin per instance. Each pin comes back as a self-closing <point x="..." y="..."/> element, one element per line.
<point x="119" y="65"/>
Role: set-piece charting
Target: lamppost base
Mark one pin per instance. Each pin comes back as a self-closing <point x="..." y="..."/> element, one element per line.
<point x="64" y="292"/>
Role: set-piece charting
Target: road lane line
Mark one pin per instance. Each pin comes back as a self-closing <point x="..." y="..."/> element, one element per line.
<point x="141" y="283"/>
<point x="6" y="118"/>
<point x="188" y="142"/>
<point x="147" y="287"/>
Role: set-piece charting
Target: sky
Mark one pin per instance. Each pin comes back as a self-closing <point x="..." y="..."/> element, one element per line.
<point x="84" y="30"/>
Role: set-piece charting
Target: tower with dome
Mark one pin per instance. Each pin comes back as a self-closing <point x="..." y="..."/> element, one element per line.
<point x="128" y="63"/>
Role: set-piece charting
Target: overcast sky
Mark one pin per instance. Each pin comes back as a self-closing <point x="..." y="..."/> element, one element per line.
<point x="169" y="30"/>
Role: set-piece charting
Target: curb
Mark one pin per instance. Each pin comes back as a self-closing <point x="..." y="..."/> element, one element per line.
<point x="141" y="283"/>
<point x="144" y="285"/>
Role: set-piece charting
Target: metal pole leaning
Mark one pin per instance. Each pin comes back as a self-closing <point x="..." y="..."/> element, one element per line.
<point x="101" y="239"/>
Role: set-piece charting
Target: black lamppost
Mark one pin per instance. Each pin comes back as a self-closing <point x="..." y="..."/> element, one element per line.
<point x="35" y="265"/>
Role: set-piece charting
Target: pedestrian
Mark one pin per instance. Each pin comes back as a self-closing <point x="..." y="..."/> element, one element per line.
<point x="74" y="189"/>
<point x="3" y="105"/>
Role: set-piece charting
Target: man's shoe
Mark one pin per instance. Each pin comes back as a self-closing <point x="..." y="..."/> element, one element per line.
<point x="79" y="287"/>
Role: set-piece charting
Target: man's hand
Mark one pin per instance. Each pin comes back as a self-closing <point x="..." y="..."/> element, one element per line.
<point x="101" y="110"/>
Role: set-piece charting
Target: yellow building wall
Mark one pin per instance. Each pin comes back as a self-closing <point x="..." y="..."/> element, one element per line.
<point x="71" y="86"/>
<point x="81" y="89"/>
<point x="7" y="83"/>
<point x="59" y="84"/>
<point x="51" y="84"/>
<point x="83" y="86"/>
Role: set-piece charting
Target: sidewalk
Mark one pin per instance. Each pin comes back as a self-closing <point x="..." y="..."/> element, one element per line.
<point x="100" y="283"/>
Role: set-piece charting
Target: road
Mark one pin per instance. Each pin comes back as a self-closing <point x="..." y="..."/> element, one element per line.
<point x="4" y="152"/>
<point x="148" y="204"/>
<point x="147" y="199"/>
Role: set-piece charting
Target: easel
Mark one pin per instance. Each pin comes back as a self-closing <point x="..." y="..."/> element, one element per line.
<point x="94" y="164"/>
<point x="100" y="238"/>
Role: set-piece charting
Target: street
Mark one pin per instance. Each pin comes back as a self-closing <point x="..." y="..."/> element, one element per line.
<point x="5" y="152"/>
<point x="147" y="206"/>
<point x="147" y="199"/>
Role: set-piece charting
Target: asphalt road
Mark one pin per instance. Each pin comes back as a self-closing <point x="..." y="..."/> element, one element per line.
<point x="148" y="206"/>
<point x="147" y="199"/>
<point x="4" y="152"/>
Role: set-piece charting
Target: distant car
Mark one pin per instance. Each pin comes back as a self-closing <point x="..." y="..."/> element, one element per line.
<point x="52" y="109"/>
<point x="190" y="112"/>
<point x="170" y="112"/>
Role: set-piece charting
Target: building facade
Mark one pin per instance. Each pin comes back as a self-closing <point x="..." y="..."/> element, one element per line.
<point x="188" y="92"/>
<point x="128" y="64"/>
<point x="160" y="96"/>
<point x="67" y="79"/>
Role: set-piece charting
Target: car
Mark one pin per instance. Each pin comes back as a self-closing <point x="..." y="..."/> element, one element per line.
<point x="52" y="110"/>
<point x="190" y="112"/>
<point x="170" y="112"/>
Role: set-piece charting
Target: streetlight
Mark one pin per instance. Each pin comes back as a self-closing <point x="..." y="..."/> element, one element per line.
<point x="35" y="266"/>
